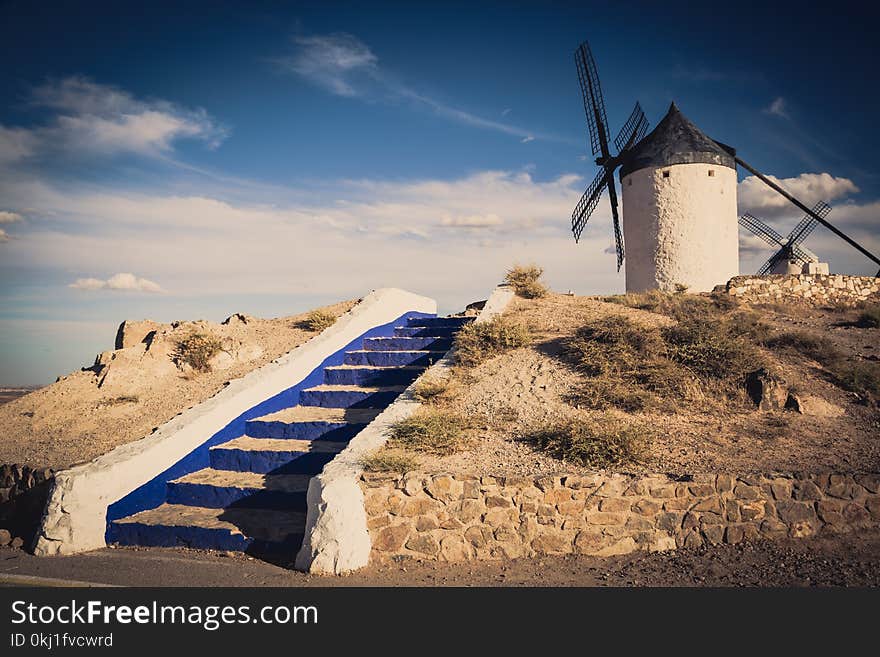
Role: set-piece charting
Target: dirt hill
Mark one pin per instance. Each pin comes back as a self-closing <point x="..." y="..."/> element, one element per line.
<point x="669" y="374"/>
<point x="155" y="372"/>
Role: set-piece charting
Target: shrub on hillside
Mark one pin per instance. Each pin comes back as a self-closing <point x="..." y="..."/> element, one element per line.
<point x="593" y="443"/>
<point x="430" y="388"/>
<point x="318" y="320"/>
<point x="197" y="350"/>
<point x="431" y="431"/>
<point x="476" y="342"/>
<point x="869" y="317"/>
<point x="387" y="460"/>
<point x="524" y="281"/>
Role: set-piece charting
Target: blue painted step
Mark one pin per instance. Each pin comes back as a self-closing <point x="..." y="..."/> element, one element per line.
<point x="178" y="525"/>
<point x="353" y="375"/>
<point x="349" y="396"/>
<point x="218" y="489"/>
<point x="264" y="455"/>
<point x="457" y="322"/>
<point x="392" y="358"/>
<point x="425" y="331"/>
<point x="311" y="422"/>
<point x="407" y="344"/>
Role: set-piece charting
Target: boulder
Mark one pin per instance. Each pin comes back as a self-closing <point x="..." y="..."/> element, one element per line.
<point x="766" y="390"/>
<point x="131" y="333"/>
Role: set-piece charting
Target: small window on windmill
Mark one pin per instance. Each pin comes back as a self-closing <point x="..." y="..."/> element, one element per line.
<point x="629" y="182"/>
<point x="665" y="174"/>
<point x="711" y="173"/>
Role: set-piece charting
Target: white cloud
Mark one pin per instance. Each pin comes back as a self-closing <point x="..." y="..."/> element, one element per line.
<point x="346" y="66"/>
<point x="506" y="111"/>
<point x="4" y="236"/>
<point x="472" y="221"/>
<point x="755" y="196"/>
<point x="7" y="217"/>
<point x="777" y="108"/>
<point x="120" y="282"/>
<point x="527" y="139"/>
<point x="95" y="118"/>
<point x="329" y="61"/>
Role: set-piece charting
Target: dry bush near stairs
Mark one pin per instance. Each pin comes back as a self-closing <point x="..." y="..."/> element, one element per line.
<point x="318" y="320"/>
<point x="593" y="443"/>
<point x="390" y="460"/>
<point x="197" y="350"/>
<point x="430" y="389"/>
<point x="525" y="281"/>
<point x="635" y="368"/>
<point x="475" y="342"/>
<point x="431" y="431"/>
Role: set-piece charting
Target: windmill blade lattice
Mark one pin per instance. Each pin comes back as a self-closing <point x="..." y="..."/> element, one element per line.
<point x="587" y="204"/>
<point x="594" y="103"/>
<point x="632" y="131"/>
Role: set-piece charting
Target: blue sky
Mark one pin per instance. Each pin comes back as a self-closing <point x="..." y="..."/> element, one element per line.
<point x="191" y="160"/>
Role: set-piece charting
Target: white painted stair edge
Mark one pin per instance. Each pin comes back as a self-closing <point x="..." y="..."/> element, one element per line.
<point x="336" y="540"/>
<point x="75" y="516"/>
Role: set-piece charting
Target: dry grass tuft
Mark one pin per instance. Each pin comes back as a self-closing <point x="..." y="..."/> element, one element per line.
<point x="318" y="320"/>
<point x="524" y="281"/>
<point x="640" y="368"/>
<point x="477" y="342"/>
<point x="389" y="460"/>
<point x="869" y="317"/>
<point x="593" y="443"/>
<point x="197" y="350"/>
<point x="430" y="389"/>
<point x="430" y="430"/>
<point x="118" y="401"/>
<point x="816" y="347"/>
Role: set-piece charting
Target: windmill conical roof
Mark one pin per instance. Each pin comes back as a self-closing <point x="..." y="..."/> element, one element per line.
<point x="676" y="140"/>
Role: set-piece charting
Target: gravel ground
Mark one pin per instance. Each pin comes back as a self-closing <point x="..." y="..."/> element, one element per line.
<point x="849" y="560"/>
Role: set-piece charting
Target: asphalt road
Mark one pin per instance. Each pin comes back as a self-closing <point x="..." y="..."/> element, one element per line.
<point x="851" y="560"/>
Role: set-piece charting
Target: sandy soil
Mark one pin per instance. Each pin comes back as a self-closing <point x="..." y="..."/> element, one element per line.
<point x="531" y="387"/>
<point x="849" y="560"/>
<point x="130" y="391"/>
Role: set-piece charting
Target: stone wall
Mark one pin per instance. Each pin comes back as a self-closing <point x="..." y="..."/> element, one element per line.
<point x="459" y="517"/>
<point x="23" y="494"/>
<point x="810" y="289"/>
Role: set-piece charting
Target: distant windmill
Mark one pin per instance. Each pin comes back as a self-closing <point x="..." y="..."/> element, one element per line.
<point x="679" y="198"/>
<point x="790" y="249"/>
<point x="633" y="130"/>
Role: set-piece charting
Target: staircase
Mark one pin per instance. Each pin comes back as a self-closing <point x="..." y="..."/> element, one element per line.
<point x="253" y="496"/>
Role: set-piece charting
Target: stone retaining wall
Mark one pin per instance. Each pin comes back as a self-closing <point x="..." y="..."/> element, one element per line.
<point x="23" y="493"/>
<point x="810" y="289"/>
<point x="459" y="517"/>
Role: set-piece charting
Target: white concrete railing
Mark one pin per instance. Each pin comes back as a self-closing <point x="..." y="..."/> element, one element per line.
<point x="75" y="518"/>
<point x="336" y="538"/>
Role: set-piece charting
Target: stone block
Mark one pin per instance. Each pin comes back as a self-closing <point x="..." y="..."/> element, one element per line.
<point x="424" y="543"/>
<point x="444" y="488"/>
<point x="574" y="508"/>
<point x="806" y="490"/>
<point x="455" y="548"/>
<point x="496" y="501"/>
<point x="391" y="539"/>
<point x="646" y="507"/>
<point x="791" y="512"/>
<point x="426" y="523"/>
<point x="552" y="541"/>
<point x="669" y="521"/>
<point x="605" y="518"/>
<point x="614" y="504"/>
